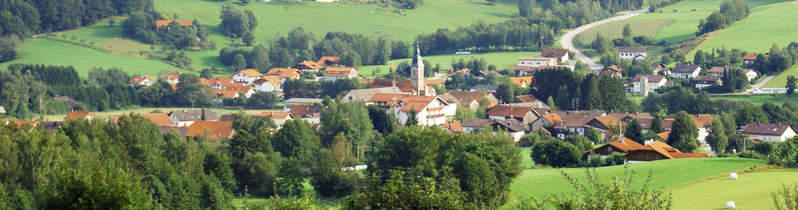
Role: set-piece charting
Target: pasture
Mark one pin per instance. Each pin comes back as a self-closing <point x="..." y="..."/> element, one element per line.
<point x="780" y="81"/>
<point x="666" y="173"/>
<point x="751" y="191"/>
<point x="500" y="59"/>
<point x="765" y="26"/>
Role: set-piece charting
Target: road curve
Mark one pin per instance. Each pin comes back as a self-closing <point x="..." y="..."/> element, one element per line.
<point x="567" y="40"/>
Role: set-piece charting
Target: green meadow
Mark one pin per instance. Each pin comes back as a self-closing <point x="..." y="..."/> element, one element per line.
<point x="759" y="99"/>
<point x="52" y="52"/>
<point x="666" y="174"/>
<point x="499" y="59"/>
<point x="780" y="81"/>
<point x="765" y="26"/>
<point x="750" y="191"/>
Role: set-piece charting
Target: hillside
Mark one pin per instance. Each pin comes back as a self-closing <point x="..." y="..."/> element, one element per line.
<point x="751" y="191"/>
<point x="765" y="26"/>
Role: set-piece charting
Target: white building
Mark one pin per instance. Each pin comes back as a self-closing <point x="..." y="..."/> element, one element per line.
<point x="631" y="53"/>
<point x="247" y="76"/>
<point x="173" y="78"/>
<point x="650" y="82"/>
<point x="751" y="74"/>
<point x="560" y="54"/>
<point x="335" y="73"/>
<point x="268" y="84"/>
<point x="685" y="71"/>
<point x="768" y="132"/>
<point x="429" y="110"/>
<point x="141" y="81"/>
<point x="537" y="62"/>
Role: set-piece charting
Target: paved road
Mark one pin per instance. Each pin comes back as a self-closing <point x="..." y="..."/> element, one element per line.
<point x="567" y="40"/>
<point x="749" y="91"/>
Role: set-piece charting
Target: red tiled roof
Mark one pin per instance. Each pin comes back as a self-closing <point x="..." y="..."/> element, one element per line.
<point x="78" y="114"/>
<point x="769" y="129"/>
<point x="276" y="115"/>
<point x="217" y="129"/>
<point x="270" y="79"/>
<point x="159" y="119"/>
<point x="453" y="126"/>
<point x="664" y="135"/>
<point x="749" y="56"/>
<point x="164" y="23"/>
<point x="329" y="59"/>
<point x="553" y="53"/>
<point x="284" y="72"/>
<point x="626" y="145"/>
<point x="509" y="111"/>
<point x="522" y="81"/>
<point x="250" y="73"/>
<point x="310" y="65"/>
<point x="526" y="98"/>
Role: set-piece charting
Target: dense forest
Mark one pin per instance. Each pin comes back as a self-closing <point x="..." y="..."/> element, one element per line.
<point x="28" y="17"/>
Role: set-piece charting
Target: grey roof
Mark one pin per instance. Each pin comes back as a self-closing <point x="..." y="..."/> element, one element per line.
<point x="631" y="49"/>
<point x="768" y="129"/>
<point x="651" y="78"/>
<point x="511" y="125"/>
<point x="192" y="115"/>
<point x="685" y="68"/>
<point x="476" y="123"/>
<point x="366" y="94"/>
<point x="181" y="130"/>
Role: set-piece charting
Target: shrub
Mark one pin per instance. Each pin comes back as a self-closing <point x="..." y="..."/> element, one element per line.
<point x="786" y="198"/>
<point x="556" y="153"/>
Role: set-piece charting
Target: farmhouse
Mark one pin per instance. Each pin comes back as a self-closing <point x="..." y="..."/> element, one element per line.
<point x="308" y="66"/>
<point x="612" y="71"/>
<point x="537" y="62"/>
<point x="749" y="58"/>
<point x="141" y="81"/>
<point x="247" y="76"/>
<point x="644" y="84"/>
<point x="522" y="81"/>
<point x="470" y="100"/>
<point x="770" y="132"/>
<point x="561" y="55"/>
<point x="279" y="118"/>
<point x="526" y="115"/>
<point x="511" y="127"/>
<point x="636" y="152"/>
<point x="660" y="69"/>
<point x="212" y="130"/>
<point x="268" y="84"/>
<point x="631" y="53"/>
<point x="702" y="82"/>
<point x="718" y="70"/>
<point x="184" y="118"/>
<point x="335" y="73"/>
<point x="685" y="71"/>
<point x="750" y="74"/>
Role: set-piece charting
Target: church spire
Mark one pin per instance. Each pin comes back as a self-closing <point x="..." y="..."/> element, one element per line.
<point x="417" y="72"/>
<point x="417" y="57"/>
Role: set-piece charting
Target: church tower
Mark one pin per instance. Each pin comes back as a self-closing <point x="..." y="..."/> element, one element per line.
<point x="417" y="73"/>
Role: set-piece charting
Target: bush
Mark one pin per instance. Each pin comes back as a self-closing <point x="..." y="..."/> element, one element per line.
<point x="556" y="153"/>
<point x="786" y="198"/>
<point x="617" y="158"/>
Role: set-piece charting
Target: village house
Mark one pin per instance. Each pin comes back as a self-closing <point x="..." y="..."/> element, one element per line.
<point x="211" y="130"/>
<point x="308" y="66"/>
<point x="718" y="71"/>
<point x="329" y="60"/>
<point x="247" y="76"/>
<point x="612" y="71"/>
<point x="537" y="62"/>
<point x="686" y="71"/>
<point x="631" y="53"/>
<point x="284" y="73"/>
<point x="636" y="152"/>
<point x="452" y="126"/>
<point x="561" y="55"/>
<point x="702" y="82"/>
<point x="660" y="69"/>
<point x="644" y="84"/>
<point x="750" y="74"/>
<point x="605" y="125"/>
<point x="564" y="123"/>
<point x="141" y="81"/>
<point x="526" y="115"/>
<point x="335" y="73"/>
<point x="279" y="118"/>
<point x="470" y="100"/>
<point x="749" y="58"/>
<point x="173" y="78"/>
<point x="511" y="127"/>
<point x="184" y="118"/>
<point x="290" y="103"/>
<point x="79" y="115"/>
<point x="769" y="132"/>
<point x="522" y="81"/>
<point x="159" y="119"/>
<point x="310" y="113"/>
<point x="268" y="84"/>
<point x="363" y="95"/>
<point x="428" y="110"/>
<point x="525" y="70"/>
<point x="529" y="101"/>
<point x="232" y="92"/>
<point x="218" y="83"/>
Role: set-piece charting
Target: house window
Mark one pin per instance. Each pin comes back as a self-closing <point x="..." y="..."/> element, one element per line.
<point x="609" y="149"/>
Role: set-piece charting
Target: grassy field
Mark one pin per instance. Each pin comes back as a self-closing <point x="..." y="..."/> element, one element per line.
<point x="751" y="191"/>
<point x="52" y="52"/>
<point x="667" y="173"/>
<point x="765" y="26"/>
<point x="614" y="30"/>
<point x="777" y="99"/>
<point x="102" y="115"/>
<point x="780" y="81"/>
<point x="499" y="59"/>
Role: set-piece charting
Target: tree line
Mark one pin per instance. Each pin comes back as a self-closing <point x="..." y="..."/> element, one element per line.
<point x="142" y="26"/>
<point x="574" y="91"/>
<point x="730" y="11"/>
<point x="27" y="17"/>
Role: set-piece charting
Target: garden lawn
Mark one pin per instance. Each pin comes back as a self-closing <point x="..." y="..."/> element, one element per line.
<point x="777" y="99"/>
<point x="765" y="26"/>
<point x="52" y="52"/>
<point x="500" y="59"/>
<point x="666" y="173"/>
<point x="751" y="191"/>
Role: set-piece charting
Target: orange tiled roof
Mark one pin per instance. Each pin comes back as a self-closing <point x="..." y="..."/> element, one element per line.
<point x="608" y="121"/>
<point x="328" y="59"/>
<point x="509" y="111"/>
<point x="173" y="76"/>
<point x="270" y="79"/>
<point x="284" y="72"/>
<point x="78" y="114"/>
<point x="702" y="120"/>
<point x="664" y="135"/>
<point x="217" y="129"/>
<point x="453" y="126"/>
<point x="311" y="65"/>
<point x="553" y="118"/>
<point x="250" y="73"/>
<point x="164" y="23"/>
<point x="526" y="98"/>
<point x="627" y="145"/>
<point x="160" y="119"/>
<point x="749" y="56"/>
<point x="522" y="81"/>
<point x="276" y="115"/>
<point x="139" y="79"/>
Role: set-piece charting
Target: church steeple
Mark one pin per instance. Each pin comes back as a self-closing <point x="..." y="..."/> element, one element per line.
<point x="417" y="72"/>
